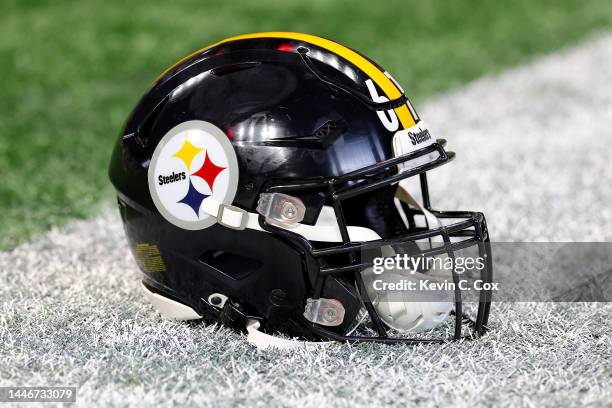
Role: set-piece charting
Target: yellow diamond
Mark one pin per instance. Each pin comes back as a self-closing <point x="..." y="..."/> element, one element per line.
<point x="187" y="153"/>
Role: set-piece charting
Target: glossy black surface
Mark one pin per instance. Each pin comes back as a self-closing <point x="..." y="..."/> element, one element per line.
<point x="283" y="121"/>
<point x="292" y="131"/>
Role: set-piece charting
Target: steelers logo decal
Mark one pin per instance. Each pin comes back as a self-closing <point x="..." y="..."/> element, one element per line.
<point x="193" y="162"/>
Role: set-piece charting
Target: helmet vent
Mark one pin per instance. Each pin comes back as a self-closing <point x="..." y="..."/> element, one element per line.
<point x="325" y="129"/>
<point x="233" y="68"/>
<point x="235" y="266"/>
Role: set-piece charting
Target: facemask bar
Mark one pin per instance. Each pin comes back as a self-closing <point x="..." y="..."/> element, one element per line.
<point x="472" y="227"/>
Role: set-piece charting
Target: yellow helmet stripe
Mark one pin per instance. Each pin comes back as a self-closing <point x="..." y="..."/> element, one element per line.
<point x="378" y="76"/>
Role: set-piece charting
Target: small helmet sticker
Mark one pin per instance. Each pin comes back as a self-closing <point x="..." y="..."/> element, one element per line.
<point x="193" y="162"/>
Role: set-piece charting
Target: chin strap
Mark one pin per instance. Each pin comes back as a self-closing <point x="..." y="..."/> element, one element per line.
<point x="325" y="230"/>
<point x="403" y="195"/>
<point x="264" y="341"/>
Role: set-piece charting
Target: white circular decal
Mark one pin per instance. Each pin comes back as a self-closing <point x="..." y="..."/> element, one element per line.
<point x="193" y="162"/>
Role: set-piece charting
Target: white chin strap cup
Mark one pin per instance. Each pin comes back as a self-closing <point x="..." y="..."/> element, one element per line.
<point x="265" y="341"/>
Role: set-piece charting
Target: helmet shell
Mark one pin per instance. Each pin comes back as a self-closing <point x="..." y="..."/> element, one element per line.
<point x="286" y="120"/>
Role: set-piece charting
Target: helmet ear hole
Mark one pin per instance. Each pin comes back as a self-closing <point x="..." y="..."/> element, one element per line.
<point x="235" y="266"/>
<point x="376" y="210"/>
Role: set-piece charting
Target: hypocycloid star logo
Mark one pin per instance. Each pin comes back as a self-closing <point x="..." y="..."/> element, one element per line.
<point x="192" y="162"/>
<point x="208" y="172"/>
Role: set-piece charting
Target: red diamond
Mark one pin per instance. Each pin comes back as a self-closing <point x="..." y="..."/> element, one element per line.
<point x="209" y="171"/>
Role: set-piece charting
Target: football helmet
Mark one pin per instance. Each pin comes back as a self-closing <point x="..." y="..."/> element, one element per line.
<point x="259" y="178"/>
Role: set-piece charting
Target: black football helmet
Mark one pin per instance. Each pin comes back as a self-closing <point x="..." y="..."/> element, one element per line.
<point x="257" y="180"/>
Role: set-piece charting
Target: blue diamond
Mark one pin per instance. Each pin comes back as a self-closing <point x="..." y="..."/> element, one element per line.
<point x="193" y="199"/>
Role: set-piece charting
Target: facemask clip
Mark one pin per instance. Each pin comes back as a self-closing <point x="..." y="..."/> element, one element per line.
<point x="326" y="312"/>
<point x="281" y="209"/>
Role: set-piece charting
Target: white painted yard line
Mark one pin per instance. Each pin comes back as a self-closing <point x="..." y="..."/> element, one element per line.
<point x="533" y="147"/>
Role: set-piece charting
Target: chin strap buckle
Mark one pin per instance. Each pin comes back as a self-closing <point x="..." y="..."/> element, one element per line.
<point x="233" y="317"/>
<point x="232" y="217"/>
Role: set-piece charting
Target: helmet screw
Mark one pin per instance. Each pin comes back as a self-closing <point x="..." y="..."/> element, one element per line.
<point x="330" y="314"/>
<point x="289" y="211"/>
<point x="217" y="300"/>
<point x="278" y="297"/>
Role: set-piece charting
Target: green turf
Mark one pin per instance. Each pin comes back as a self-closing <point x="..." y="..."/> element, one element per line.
<point x="71" y="71"/>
